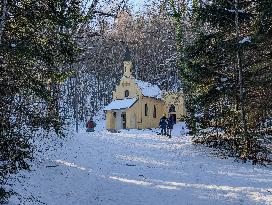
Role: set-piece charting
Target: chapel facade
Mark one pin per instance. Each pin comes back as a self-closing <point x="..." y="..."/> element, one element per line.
<point x="140" y="105"/>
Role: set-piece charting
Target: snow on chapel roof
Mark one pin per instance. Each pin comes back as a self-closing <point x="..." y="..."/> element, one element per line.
<point x="121" y="104"/>
<point x="149" y="90"/>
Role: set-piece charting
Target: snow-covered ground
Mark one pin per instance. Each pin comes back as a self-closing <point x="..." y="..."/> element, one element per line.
<point x="140" y="167"/>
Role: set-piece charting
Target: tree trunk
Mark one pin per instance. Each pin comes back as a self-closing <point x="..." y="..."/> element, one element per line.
<point x="247" y="146"/>
<point x="3" y="19"/>
<point x="240" y="69"/>
<point x="76" y="100"/>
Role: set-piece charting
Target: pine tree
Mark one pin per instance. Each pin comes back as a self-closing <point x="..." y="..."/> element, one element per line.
<point x="225" y="95"/>
<point x="37" y="42"/>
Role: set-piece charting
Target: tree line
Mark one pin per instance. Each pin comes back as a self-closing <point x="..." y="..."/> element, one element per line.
<point x="226" y="73"/>
<point x="39" y="43"/>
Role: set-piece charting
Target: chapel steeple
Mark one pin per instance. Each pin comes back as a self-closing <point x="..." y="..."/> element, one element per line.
<point x="127" y="63"/>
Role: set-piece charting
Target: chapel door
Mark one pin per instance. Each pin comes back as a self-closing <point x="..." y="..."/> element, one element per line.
<point x="174" y="116"/>
<point x="124" y="120"/>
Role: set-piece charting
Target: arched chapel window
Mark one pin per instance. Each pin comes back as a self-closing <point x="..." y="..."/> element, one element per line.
<point x="126" y="93"/>
<point x="146" y="110"/>
<point x="172" y="108"/>
<point x="154" y="112"/>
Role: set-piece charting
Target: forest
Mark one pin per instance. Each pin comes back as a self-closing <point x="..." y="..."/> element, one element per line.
<point x="60" y="61"/>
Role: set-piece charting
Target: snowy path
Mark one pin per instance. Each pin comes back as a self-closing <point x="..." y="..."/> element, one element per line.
<point x="130" y="168"/>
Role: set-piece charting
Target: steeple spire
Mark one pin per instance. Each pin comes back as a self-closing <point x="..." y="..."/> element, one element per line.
<point x="127" y="63"/>
<point x="127" y="56"/>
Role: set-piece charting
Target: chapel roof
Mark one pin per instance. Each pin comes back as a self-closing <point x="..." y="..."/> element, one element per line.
<point x="149" y="90"/>
<point x="121" y="104"/>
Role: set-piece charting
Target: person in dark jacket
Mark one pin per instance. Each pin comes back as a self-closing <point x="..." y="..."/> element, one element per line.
<point x="163" y="125"/>
<point x="170" y="124"/>
<point x="90" y="125"/>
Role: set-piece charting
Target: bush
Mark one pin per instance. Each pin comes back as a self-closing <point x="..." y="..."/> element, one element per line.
<point x="251" y="147"/>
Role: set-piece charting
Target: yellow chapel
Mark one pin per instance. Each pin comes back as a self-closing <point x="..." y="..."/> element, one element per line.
<point x="140" y="105"/>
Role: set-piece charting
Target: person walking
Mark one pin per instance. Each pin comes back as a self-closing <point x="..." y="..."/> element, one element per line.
<point x="90" y="125"/>
<point x="163" y="125"/>
<point x="170" y="124"/>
